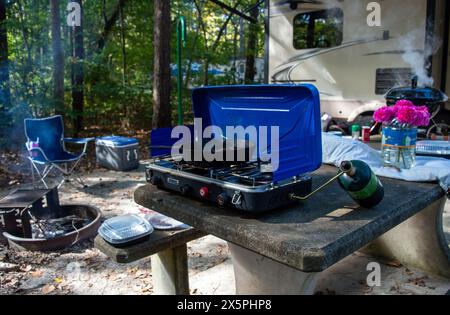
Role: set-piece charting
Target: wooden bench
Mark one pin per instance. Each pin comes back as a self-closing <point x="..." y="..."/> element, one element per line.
<point x="168" y="251"/>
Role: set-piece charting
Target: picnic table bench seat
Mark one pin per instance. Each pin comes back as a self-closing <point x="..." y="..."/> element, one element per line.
<point x="169" y="258"/>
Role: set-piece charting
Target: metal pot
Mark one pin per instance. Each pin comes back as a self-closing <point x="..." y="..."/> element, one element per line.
<point x="241" y="152"/>
<point x="241" y="148"/>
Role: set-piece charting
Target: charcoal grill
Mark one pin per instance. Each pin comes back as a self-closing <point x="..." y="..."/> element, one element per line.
<point x="15" y="210"/>
<point x="22" y="207"/>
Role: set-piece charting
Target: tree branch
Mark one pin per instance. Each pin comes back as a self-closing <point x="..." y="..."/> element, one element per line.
<point x="109" y="25"/>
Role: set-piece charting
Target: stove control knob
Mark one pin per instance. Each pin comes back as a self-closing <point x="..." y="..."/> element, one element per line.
<point x="185" y="189"/>
<point x="204" y="192"/>
<point x="223" y="199"/>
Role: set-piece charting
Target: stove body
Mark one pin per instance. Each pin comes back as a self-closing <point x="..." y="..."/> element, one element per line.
<point x="242" y="187"/>
<point x="253" y="186"/>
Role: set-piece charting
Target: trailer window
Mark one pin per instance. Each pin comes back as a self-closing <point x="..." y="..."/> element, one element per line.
<point x="319" y="29"/>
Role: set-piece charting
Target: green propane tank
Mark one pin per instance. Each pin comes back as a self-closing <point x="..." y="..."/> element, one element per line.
<point x="361" y="183"/>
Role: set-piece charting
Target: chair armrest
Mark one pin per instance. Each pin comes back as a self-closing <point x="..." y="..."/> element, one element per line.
<point x="79" y="141"/>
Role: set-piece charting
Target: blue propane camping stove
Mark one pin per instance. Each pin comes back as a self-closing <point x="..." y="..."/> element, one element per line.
<point x="251" y="186"/>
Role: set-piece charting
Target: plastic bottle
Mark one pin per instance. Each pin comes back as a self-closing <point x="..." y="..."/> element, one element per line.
<point x="361" y="183"/>
<point x="356" y="132"/>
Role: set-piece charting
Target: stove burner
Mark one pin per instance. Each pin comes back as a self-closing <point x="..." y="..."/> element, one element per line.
<point x="258" y="180"/>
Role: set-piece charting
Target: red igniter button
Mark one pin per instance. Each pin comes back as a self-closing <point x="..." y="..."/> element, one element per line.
<point x="204" y="192"/>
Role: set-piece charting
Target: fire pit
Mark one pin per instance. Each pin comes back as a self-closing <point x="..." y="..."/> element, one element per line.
<point x="26" y="222"/>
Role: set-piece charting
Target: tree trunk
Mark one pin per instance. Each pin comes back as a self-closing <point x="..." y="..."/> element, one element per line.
<point x="206" y="71"/>
<point x="58" y="58"/>
<point x="250" y="67"/>
<point x="28" y="61"/>
<point x="161" y="81"/>
<point x="126" y="119"/>
<point x="5" y="96"/>
<point x="124" y="49"/>
<point x="78" y="74"/>
<point x="235" y="53"/>
<point x="109" y="24"/>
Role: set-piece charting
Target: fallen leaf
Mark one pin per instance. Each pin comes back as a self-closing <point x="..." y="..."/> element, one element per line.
<point x="58" y="280"/>
<point x="147" y="289"/>
<point x="37" y="274"/>
<point x="418" y="281"/>
<point x="394" y="264"/>
<point x="132" y="270"/>
<point x="48" y="289"/>
<point x="140" y="274"/>
<point x="13" y="282"/>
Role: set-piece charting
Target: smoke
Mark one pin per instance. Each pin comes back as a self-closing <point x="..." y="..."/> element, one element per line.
<point x="419" y="60"/>
<point x="416" y="58"/>
<point x="12" y="135"/>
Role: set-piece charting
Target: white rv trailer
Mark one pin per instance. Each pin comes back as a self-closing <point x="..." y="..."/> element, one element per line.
<point x="330" y="44"/>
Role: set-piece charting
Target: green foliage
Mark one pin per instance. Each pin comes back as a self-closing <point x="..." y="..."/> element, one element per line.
<point x="110" y="101"/>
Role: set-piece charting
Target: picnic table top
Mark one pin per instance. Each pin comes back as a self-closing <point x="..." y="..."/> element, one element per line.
<point x="310" y="236"/>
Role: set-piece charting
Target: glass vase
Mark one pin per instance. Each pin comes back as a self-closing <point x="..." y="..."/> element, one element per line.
<point x="399" y="147"/>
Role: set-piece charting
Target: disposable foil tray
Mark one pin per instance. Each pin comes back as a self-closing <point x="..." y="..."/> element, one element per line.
<point x="125" y="230"/>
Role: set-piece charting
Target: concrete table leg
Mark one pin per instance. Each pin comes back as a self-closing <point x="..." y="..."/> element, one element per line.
<point x="419" y="242"/>
<point x="170" y="272"/>
<point x="258" y="275"/>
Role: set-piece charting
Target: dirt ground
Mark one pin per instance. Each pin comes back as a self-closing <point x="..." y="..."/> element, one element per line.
<point x="84" y="270"/>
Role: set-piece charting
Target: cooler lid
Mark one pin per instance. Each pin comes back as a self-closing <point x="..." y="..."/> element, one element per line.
<point x="117" y="141"/>
<point x="295" y="109"/>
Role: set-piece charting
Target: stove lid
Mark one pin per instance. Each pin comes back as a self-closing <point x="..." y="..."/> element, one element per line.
<point x="295" y="109"/>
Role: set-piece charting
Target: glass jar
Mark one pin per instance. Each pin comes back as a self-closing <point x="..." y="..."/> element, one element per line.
<point x="399" y="147"/>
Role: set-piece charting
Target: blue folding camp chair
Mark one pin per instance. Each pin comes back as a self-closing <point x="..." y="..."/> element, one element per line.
<point x="47" y="151"/>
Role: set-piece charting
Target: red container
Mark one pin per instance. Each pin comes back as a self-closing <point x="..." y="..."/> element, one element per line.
<point x="366" y="134"/>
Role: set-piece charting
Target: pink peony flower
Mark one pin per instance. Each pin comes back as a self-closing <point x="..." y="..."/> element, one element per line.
<point x="405" y="112"/>
<point x="384" y="115"/>
<point x="407" y="115"/>
<point x="422" y="108"/>
<point x="404" y="103"/>
<point x="423" y="117"/>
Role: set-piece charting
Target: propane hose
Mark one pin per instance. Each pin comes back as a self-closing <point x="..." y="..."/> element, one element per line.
<point x="299" y="198"/>
<point x="345" y="168"/>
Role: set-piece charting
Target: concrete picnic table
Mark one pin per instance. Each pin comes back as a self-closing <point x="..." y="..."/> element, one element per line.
<point x="284" y="251"/>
